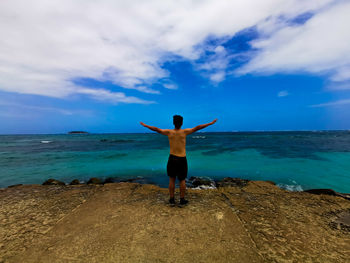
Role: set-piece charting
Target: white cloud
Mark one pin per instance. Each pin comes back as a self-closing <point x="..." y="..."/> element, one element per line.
<point x="47" y="44"/>
<point x="170" y="86"/>
<point x="283" y="93"/>
<point x="218" y="76"/>
<point x="332" y="103"/>
<point x="320" y="46"/>
<point x="18" y="108"/>
<point x="338" y="85"/>
<point x="146" y="90"/>
<point x="114" y="97"/>
<point x="215" y="64"/>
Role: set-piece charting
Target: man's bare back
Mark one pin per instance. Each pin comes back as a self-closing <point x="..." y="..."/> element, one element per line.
<point x="177" y="137"/>
<point x="177" y="163"/>
<point x="177" y="142"/>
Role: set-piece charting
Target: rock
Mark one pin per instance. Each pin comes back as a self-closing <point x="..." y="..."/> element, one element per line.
<point x="340" y="220"/>
<point x="14" y="185"/>
<point x="321" y="191"/>
<point x="94" y="180"/>
<point x="327" y="192"/>
<point x="271" y="182"/>
<point x="140" y="180"/>
<point x="229" y="181"/>
<point x="344" y="218"/>
<point x="110" y="180"/>
<point x="346" y="196"/>
<point x="243" y="225"/>
<point x="75" y="182"/>
<point x="201" y="181"/>
<point x="53" y="182"/>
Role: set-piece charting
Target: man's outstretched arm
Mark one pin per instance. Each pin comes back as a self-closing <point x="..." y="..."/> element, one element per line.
<point x="161" y="131"/>
<point x="199" y="127"/>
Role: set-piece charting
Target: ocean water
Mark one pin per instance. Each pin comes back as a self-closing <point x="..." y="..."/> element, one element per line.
<point x="294" y="160"/>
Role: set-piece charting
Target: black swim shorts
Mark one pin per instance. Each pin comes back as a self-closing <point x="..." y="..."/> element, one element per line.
<point x="177" y="166"/>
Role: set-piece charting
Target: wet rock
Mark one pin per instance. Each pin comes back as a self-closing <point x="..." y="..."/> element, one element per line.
<point x="53" y="182"/>
<point x="229" y="181"/>
<point x="74" y="182"/>
<point x="327" y="192"/>
<point x="200" y="181"/>
<point x="140" y="180"/>
<point x="14" y="185"/>
<point x="110" y="180"/>
<point x="346" y="196"/>
<point x="94" y="180"/>
<point x="321" y="191"/>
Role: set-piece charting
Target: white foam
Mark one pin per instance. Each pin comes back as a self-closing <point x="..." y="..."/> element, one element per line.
<point x="198" y="137"/>
<point x="204" y="187"/>
<point x="46" y="141"/>
<point x="291" y="187"/>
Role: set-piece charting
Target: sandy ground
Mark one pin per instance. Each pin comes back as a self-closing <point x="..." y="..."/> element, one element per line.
<point x="128" y="222"/>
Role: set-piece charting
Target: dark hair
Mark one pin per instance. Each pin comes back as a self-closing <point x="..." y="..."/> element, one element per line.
<point x="177" y="120"/>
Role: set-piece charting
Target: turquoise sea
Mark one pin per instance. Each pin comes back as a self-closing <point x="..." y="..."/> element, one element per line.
<point x="294" y="160"/>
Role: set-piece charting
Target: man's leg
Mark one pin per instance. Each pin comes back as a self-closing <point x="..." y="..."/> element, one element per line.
<point x="182" y="188"/>
<point x="172" y="186"/>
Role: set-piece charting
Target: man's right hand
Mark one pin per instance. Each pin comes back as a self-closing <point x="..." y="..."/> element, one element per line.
<point x="213" y="121"/>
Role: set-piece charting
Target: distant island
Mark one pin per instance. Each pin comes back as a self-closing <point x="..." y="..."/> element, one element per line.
<point x="77" y="132"/>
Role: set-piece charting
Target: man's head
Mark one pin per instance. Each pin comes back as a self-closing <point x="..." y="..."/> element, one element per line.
<point x="177" y="120"/>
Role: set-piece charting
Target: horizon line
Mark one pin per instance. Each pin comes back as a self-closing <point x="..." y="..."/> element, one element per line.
<point x="234" y="131"/>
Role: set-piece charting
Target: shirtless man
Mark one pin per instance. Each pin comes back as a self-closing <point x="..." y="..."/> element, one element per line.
<point x="177" y="162"/>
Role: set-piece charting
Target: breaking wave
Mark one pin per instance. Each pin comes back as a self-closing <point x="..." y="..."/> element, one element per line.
<point x="291" y="187"/>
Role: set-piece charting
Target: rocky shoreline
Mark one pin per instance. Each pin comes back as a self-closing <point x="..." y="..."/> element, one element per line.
<point x="237" y="221"/>
<point x="193" y="182"/>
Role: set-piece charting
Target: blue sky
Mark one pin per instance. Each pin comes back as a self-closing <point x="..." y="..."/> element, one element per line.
<point x="105" y="66"/>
